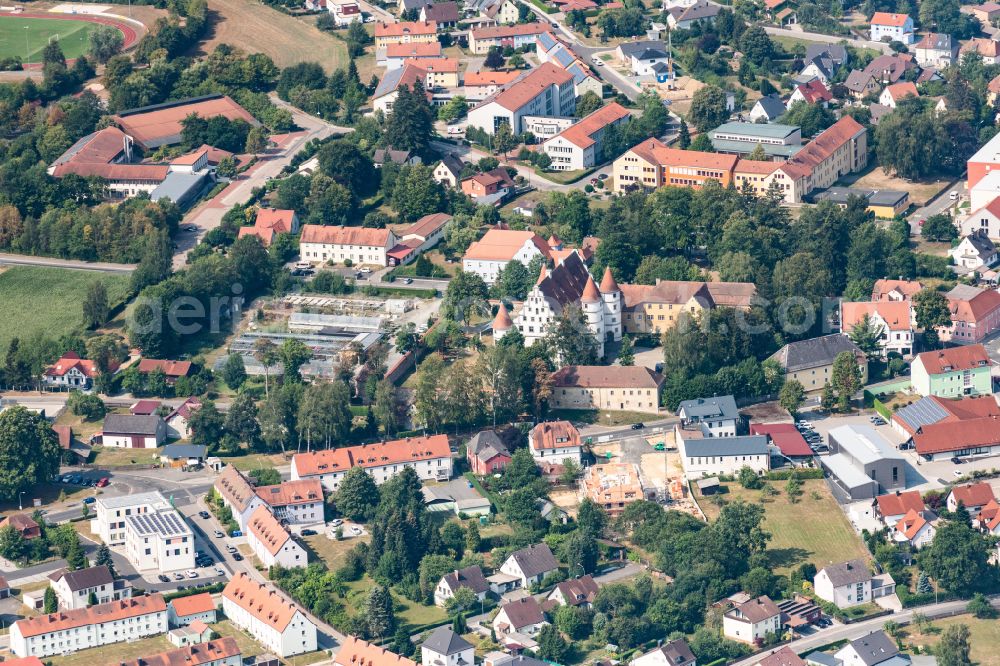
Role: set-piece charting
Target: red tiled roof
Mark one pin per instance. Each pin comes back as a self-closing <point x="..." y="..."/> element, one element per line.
<point x="895" y="313"/>
<point x="902" y="89"/>
<point x="822" y="147"/>
<point x="785" y="436"/>
<point x="503" y="244"/>
<point x="288" y="493"/>
<point x="169" y="368"/>
<point x="988" y="48"/>
<point x="525" y="89"/>
<point x="899" y="503"/>
<point x="655" y="152"/>
<point x="501" y="78"/>
<point x="975" y="309"/>
<point x="954" y="436"/>
<point x="911" y="524"/>
<point x="71" y="360"/>
<point x="427" y="225"/>
<point x="356" y="652"/>
<point x="414" y="50"/>
<point x="546" y="435"/>
<point x="405" y="28"/>
<point x="97" y="614"/>
<point x="190" y="655"/>
<point x="885" y="18"/>
<point x="435" y="64"/>
<point x="908" y="288"/>
<point x="581" y="134"/>
<point x="65" y="434"/>
<point x="815" y="91"/>
<point x="193" y="605"/>
<point x="267" y="530"/>
<point x="502" y="321"/>
<point x="372" y="455"/>
<point x="331" y="235"/>
<point x="974" y="494"/>
<point x="783" y="657"/>
<point x="260" y="601"/>
<point x="954" y="359"/>
<point x="160" y="125"/>
<point x="503" y="31"/>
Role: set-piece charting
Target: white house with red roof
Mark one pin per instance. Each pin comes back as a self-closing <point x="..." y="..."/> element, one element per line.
<point x="891" y="507"/>
<point x="185" y="610"/>
<point x="547" y="90"/>
<point x="916" y="528"/>
<point x="299" y="501"/>
<point x="357" y="245"/>
<point x="179" y="420"/>
<point x="973" y="496"/>
<point x="430" y="458"/>
<point x="269" y="223"/>
<point x="894" y="319"/>
<point x="514" y="36"/>
<point x="498" y="247"/>
<point x="555" y="441"/>
<point x="579" y="146"/>
<point x="71" y="372"/>
<point x="892" y="27"/>
<point x="272" y="543"/>
<point x="419" y="237"/>
<point x="277" y="624"/>
<point x="975" y="315"/>
<point x="813" y="92"/>
<point x="895" y="93"/>
<point x="984" y="219"/>
<point x="345" y="12"/>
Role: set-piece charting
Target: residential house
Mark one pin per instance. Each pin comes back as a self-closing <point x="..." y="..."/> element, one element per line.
<point x="641" y="56"/>
<point x="810" y="361"/>
<point x="487" y="453"/>
<point x="489" y="187"/>
<point x="133" y="432"/>
<point x="988" y="49"/>
<point x="814" y="92"/>
<point x="159" y="540"/>
<point x="752" y="621"/>
<point x="861" y="83"/>
<point x="869" y="650"/>
<point x="651" y="164"/>
<point x="916" y="528"/>
<point x="703" y="456"/>
<point x="404" y="32"/>
<point x="383" y="156"/>
<point x="430" y="458"/>
<point x="357" y="245"/>
<point x="470" y="577"/>
<point x="941" y="429"/>
<point x="220" y="652"/>
<point x="782" y="12"/>
<point x="112" y="512"/>
<point x="299" y="501"/>
<point x="446" y="648"/>
<point x="863" y="464"/>
<point x="523" y="616"/>
<point x="179" y="419"/>
<point x="345" y="12"/>
<point x="893" y="320"/>
<point x="984" y="220"/>
<point x="579" y="146"/>
<point x="404" y="6"/>
<point x="979" y="167"/>
<point x="832" y="55"/>
<point x="237" y="493"/>
<point x="895" y="290"/>
<point x="779" y="142"/>
<point x="24" y="524"/>
<point x="576" y="592"/>
<point x="444" y="14"/>
<point x="896" y="92"/>
<point x="69" y="631"/>
<point x="815" y="70"/>
<point x="503" y="12"/>
<point x="437" y="73"/>
<point x="280" y="626"/>
<point x="952" y="372"/>
<point x="394" y="80"/>
<point x="992" y="92"/>
<point x="845" y="584"/>
<point x="488" y="256"/>
<point x="975" y="252"/>
<point x="984" y="13"/>
<point x="672" y="653"/>
<point x="553" y="442"/>
<point x="184" y="455"/>
<point x="973" y="496"/>
<point x="685" y="18"/>
<point x="397" y="55"/>
<point x="419" y="237"/>
<point x="271" y="222"/>
<point x="71" y="372"/>
<point x="173" y="370"/>
<point x="937" y="50"/>
<point x="529" y="566"/>
<point x="514" y="36"/>
<point x="975" y="315"/>
<point x="74" y="588"/>
<point x="767" y="109"/>
<point x="612" y="486"/>
<point x="449" y="171"/>
<point x="784" y="656"/>
<point x="356" y="652"/>
<point x="892" y="27"/>
<point x="605" y="387"/>
<point x="547" y="90"/>
<point x="714" y="417"/>
<point x="891" y="507"/>
<point x="194" y="608"/>
<point x="271" y="542"/>
<point x="549" y="48"/>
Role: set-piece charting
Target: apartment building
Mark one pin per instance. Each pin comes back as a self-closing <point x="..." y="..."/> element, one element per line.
<point x="657" y="308"/>
<point x="358" y="245"/>
<point x="430" y="458"/>
<point x="498" y="247"/>
<point x="634" y="388"/>
<point x="837" y="151"/>
<point x="579" y="146"/>
<point x="892" y="27"/>
<point x="777" y="141"/>
<point x="501" y="36"/>
<point x="69" y="631"/>
<point x="112" y="512"/>
<point x="893" y="319"/>
<point x="219" y="652"/>
<point x="652" y="164"/>
<point x="547" y="90"/>
<point x="271" y="542"/>
<point x="237" y="493"/>
<point x="74" y="588"/>
<point x="552" y="442"/>
<point x="279" y="625"/>
<point x="297" y="502"/>
<point x="159" y="541"/>
<point x="404" y="32"/>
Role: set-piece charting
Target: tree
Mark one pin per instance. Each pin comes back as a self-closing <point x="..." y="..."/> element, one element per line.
<point x="924" y="583"/>
<point x="241" y="420"/>
<point x="684" y="136"/>
<point x="103" y="558"/>
<point x="294" y="355"/>
<point x="957" y="558"/>
<point x="494" y="59"/>
<point x="95" y="303"/>
<point x="207" y="425"/>
<point x="846" y="378"/>
<point x="76" y="558"/>
<point x="588" y="103"/>
<point x="29" y="451"/>
<point x="379" y="615"/>
<point x="931" y="309"/>
<point x="939" y="228"/>
<point x="626" y="355"/>
<point x="50" y="604"/>
<point x="465" y="296"/>
<point x="12" y="545"/>
<point x="749" y="479"/>
<point x="828" y="400"/>
<point x="954" y="648"/>
<point x="234" y="372"/>
<point x="504" y="140"/>
<point x="867" y="335"/>
<point x="551" y="645"/>
<point x="105" y="42"/>
<point x="358" y="496"/>
<point x="256" y="140"/>
<point x="791" y="396"/>
<point x="411" y="122"/>
<point x="386" y="406"/>
<point x="708" y="108"/>
<point x="266" y="353"/>
<point x="793" y="488"/>
<point x="570" y="339"/>
<point x="812" y="118"/>
<point x="981" y="607"/>
<point x="758" y="154"/>
<point x="473" y="542"/>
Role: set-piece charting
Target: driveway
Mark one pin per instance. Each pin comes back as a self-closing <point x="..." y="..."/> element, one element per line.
<point x="942" y="204"/>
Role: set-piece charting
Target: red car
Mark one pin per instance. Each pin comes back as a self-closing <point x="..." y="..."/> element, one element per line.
<point x="103" y="482"/>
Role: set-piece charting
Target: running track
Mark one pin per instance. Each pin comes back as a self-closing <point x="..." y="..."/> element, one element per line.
<point x="130" y="32"/>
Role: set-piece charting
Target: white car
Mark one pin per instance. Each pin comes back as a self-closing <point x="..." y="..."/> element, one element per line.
<point x="957" y="472"/>
<point x="336" y="522"/>
<point x="364" y="269"/>
<point x="597" y="61"/>
<point x="356" y="531"/>
<point x="219" y="534"/>
<point x="231" y="549"/>
<point x="191" y="573"/>
<point x="219" y="571"/>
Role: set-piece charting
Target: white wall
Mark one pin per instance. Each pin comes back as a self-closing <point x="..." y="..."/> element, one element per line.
<point x="88" y="636"/>
<point x="298" y="637"/>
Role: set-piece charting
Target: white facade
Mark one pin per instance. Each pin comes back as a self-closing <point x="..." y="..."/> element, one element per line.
<point x="721" y="455"/>
<point x="127" y="623"/>
<point x="512" y="568"/>
<point x="552" y="100"/>
<point x="526" y="630"/>
<point x="159" y="541"/>
<point x="381" y="461"/>
<point x="982" y="219"/>
<point x="344" y="12"/>
<point x="489" y="268"/>
<point x="272" y="543"/>
<point x="443" y="592"/>
<point x="365" y="253"/>
<point x="897" y="33"/>
<point x="557" y="454"/>
<point x="967" y="255"/>
<point x="111" y="513"/>
<point x="738" y="627"/>
<point x="104" y="592"/>
<point x="843" y="596"/>
<point x="430" y="657"/>
<point x="248" y="604"/>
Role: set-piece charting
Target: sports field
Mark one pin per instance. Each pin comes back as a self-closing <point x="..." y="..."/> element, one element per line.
<point x="25" y="38"/>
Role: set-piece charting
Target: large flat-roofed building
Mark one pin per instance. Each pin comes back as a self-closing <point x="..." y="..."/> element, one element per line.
<point x="111" y="513"/>
<point x="779" y="142"/>
<point x="604" y="387"/>
<point x="429" y="456"/>
<point x="161" y="124"/>
<point x="863" y="464"/>
<point x="652" y="164"/>
<point x="279" y="625"/>
<point x="102" y="624"/>
<point x="159" y="541"/>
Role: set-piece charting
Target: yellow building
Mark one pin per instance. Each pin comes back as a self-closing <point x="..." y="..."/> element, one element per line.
<point x="405" y="32"/>
<point x="756" y="174"/>
<point x="652" y="164"/>
<point x="606" y="387"/>
<point x="657" y="308"/>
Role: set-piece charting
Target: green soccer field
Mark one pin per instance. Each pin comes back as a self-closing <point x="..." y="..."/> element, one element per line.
<point x="26" y="37"/>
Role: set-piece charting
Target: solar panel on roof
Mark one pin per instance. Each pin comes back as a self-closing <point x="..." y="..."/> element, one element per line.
<point x="923" y="412"/>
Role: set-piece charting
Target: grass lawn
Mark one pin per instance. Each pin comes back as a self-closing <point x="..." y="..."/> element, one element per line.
<point x="593" y="416"/>
<point x="920" y="191"/>
<point x="812" y="530"/>
<point x="39" y="299"/>
<point x="254" y="461"/>
<point x="984" y="639"/>
<point x="114" y="653"/>
<point x="331" y="551"/>
<point x="25" y="38"/>
<point x="411" y="615"/>
<point x="115" y="456"/>
<point x="48" y="493"/>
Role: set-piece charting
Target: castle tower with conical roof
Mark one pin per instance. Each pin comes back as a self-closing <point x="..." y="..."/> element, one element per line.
<point x="501" y="323"/>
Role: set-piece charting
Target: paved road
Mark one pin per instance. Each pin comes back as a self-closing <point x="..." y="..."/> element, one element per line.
<point x="882" y="47"/>
<point x="100" y="267"/>
<point x="209" y="214"/>
<point x="942" y="204"/>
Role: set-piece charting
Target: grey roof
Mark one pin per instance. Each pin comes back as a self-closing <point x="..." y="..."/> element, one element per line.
<point x="523" y="612"/>
<point x="723" y="406"/>
<point x="877" y="111"/>
<point x="982" y="244"/>
<point x="444" y="640"/>
<point x="185" y="451"/>
<point x="754" y="130"/>
<point x="886" y="197"/>
<point x="386" y="155"/>
<point x="83" y="579"/>
<point x="178" y="186"/>
<point x="814" y="352"/>
<point x="652" y="54"/>
<point x="414" y="4"/>
<point x="630" y="49"/>
<point x="862" y="443"/>
<point x="389" y="82"/>
<point x="963" y="292"/>
<point x="875" y="648"/>
<point x="822" y="659"/>
<point x="470" y="577"/>
<point x="127" y="424"/>
<point x="848" y="573"/>
<point x="453" y="164"/>
<point x="857" y="80"/>
<point x="772" y="106"/>
<point x="844" y="469"/>
<point x="824" y="65"/>
<point x="699" y="10"/>
<point x="535" y="560"/>
<point x="442" y="12"/>
<point x="835" y="52"/>
<point x="676" y="652"/>
<point x="923" y="412"/>
<point x="742" y="445"/>
<point x="487" y="444"/>
<point x="784" y="151"/>
<point x="840" y="195"/>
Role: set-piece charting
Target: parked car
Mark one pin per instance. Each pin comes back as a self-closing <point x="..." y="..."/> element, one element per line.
<point x="236" y="533"/>
<point x="191" y="573"/>
<point x="638" y="426"/>
<point x="336" y="522"/>
<point x="231" y="548"/>
<point x="957" y="461"/>
<point x="308" y="532"/>
<point x="407" y="280"/>
<point x="203" y="514"/>
<point x="237" y="557"/>
<point x="103" y="482"/>
<point x="163" y="579"/>
<point x="219" y="534"/>
<point x="89" y="500"/>
<point x="178" y="575"/>
<point x="219" y="571"/>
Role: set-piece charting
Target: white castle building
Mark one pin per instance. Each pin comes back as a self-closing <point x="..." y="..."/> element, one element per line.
<point x="568" y="283"/>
